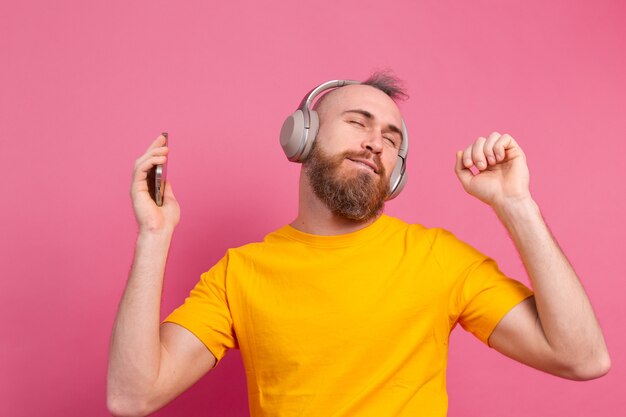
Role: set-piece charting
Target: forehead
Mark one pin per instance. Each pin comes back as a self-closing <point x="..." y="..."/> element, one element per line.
<point x="362" y="97"/>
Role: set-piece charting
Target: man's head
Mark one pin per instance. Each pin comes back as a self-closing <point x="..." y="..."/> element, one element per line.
<point x="356" y="148"/>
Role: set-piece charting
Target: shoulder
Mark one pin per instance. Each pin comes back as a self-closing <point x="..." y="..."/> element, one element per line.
<point x="253" y="250"/>
<point x="416" y="230"/>
<point x="441" y="242"/>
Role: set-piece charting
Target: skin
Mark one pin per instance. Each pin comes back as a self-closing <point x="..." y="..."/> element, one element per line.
<point x="150" y="364"/>
<point x="343" y="129"/>
<point x="555" y="331"/>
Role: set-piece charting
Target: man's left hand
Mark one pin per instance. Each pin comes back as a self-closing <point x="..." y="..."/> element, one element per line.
<point x="502" y="173"/>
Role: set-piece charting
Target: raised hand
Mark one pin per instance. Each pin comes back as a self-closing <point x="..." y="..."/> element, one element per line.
<point x="501" y="176"/>
<point x="149" y="216"/>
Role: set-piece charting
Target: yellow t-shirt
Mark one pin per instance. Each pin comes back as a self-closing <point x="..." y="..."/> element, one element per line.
<point x="349" y="325"/>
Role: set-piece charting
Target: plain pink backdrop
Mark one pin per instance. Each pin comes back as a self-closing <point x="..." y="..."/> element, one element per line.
<point x="85" y="86"/>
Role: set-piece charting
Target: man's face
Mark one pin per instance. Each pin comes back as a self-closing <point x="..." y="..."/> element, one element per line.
<point x="355" y="151"/>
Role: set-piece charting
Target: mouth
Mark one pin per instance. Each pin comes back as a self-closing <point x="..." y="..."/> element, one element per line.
<point x="367" y="163"/>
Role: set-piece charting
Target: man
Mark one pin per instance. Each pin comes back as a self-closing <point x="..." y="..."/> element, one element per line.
<point x="347" y="311"/>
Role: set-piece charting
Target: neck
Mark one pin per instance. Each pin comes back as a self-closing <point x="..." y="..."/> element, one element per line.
<point x="314" y="217"/>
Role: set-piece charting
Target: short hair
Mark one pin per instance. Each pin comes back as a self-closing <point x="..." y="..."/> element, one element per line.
<point x="384" y="81"/>
<point x="388" y="83"/>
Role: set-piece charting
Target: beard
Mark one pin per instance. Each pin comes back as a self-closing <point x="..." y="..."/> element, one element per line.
<point x="356" y="196"/>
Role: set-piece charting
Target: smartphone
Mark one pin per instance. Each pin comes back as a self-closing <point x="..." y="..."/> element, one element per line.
<point x="156" y="178"/>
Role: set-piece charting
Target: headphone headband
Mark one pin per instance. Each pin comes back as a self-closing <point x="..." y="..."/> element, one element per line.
<point x="305" y="104"/>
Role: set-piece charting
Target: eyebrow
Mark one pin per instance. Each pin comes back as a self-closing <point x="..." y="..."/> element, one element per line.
<point x="370" y="116"/>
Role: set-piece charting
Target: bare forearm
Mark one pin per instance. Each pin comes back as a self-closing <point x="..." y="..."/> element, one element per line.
<point x="135" y="344"/>
<point x="564" y="310"/>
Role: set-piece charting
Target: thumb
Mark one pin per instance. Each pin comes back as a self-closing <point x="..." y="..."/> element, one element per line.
<point x="464" y="174"/>
<point x="168" y="189"/>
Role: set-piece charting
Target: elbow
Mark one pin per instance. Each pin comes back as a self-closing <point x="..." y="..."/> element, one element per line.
<point x="592" y="368"/>
<point x="120" y="406"/>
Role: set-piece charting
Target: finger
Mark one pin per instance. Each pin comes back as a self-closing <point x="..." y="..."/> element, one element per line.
<point x="142" y="168"/>
<point x="467" y="157"/>
<point x="478" y="154"/>
<point x="488" y="149"/>
<point x="464" y="174"/>
<point x="139" y="182"/>
<point x="163" y="150"/>
<point x="504" y="143"/>
<point x="159" y="150"/>
<point x="158" y="142"/>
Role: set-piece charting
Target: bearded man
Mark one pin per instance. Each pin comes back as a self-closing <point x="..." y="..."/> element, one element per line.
<point x="347" y="311"/>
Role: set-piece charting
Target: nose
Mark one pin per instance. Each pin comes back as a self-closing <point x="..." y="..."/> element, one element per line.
<point x="373" y="142"/>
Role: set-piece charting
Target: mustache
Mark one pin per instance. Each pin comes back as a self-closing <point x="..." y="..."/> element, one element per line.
<point x="366" y="155"/>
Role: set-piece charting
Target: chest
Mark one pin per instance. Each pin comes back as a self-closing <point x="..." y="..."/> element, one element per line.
<point x="316" y="307"/>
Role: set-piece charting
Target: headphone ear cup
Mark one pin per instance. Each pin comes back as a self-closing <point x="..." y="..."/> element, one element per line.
<point x="292" y="135"/>
<point x="310" y="135"/>
<point x="397" y="180"/>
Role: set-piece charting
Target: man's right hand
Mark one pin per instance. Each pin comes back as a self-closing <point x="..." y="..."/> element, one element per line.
<point x="150" y="217"/>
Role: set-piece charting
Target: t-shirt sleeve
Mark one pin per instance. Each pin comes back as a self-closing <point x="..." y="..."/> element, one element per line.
<point x="481" y="294"/>
<point x="206" y="313"/>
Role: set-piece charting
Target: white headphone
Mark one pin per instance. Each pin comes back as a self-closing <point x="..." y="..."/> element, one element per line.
<point x="300" y="129"/>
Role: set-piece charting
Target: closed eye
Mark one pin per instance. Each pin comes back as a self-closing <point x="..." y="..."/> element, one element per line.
<point x="356" y="122"/>
<point x="391" y="140"/>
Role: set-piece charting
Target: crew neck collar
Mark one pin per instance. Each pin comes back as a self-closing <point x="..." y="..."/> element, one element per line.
<point x="360" y="236"/>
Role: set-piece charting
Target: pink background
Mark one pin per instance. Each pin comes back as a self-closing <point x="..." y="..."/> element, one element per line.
<point x="86" y="87"/>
